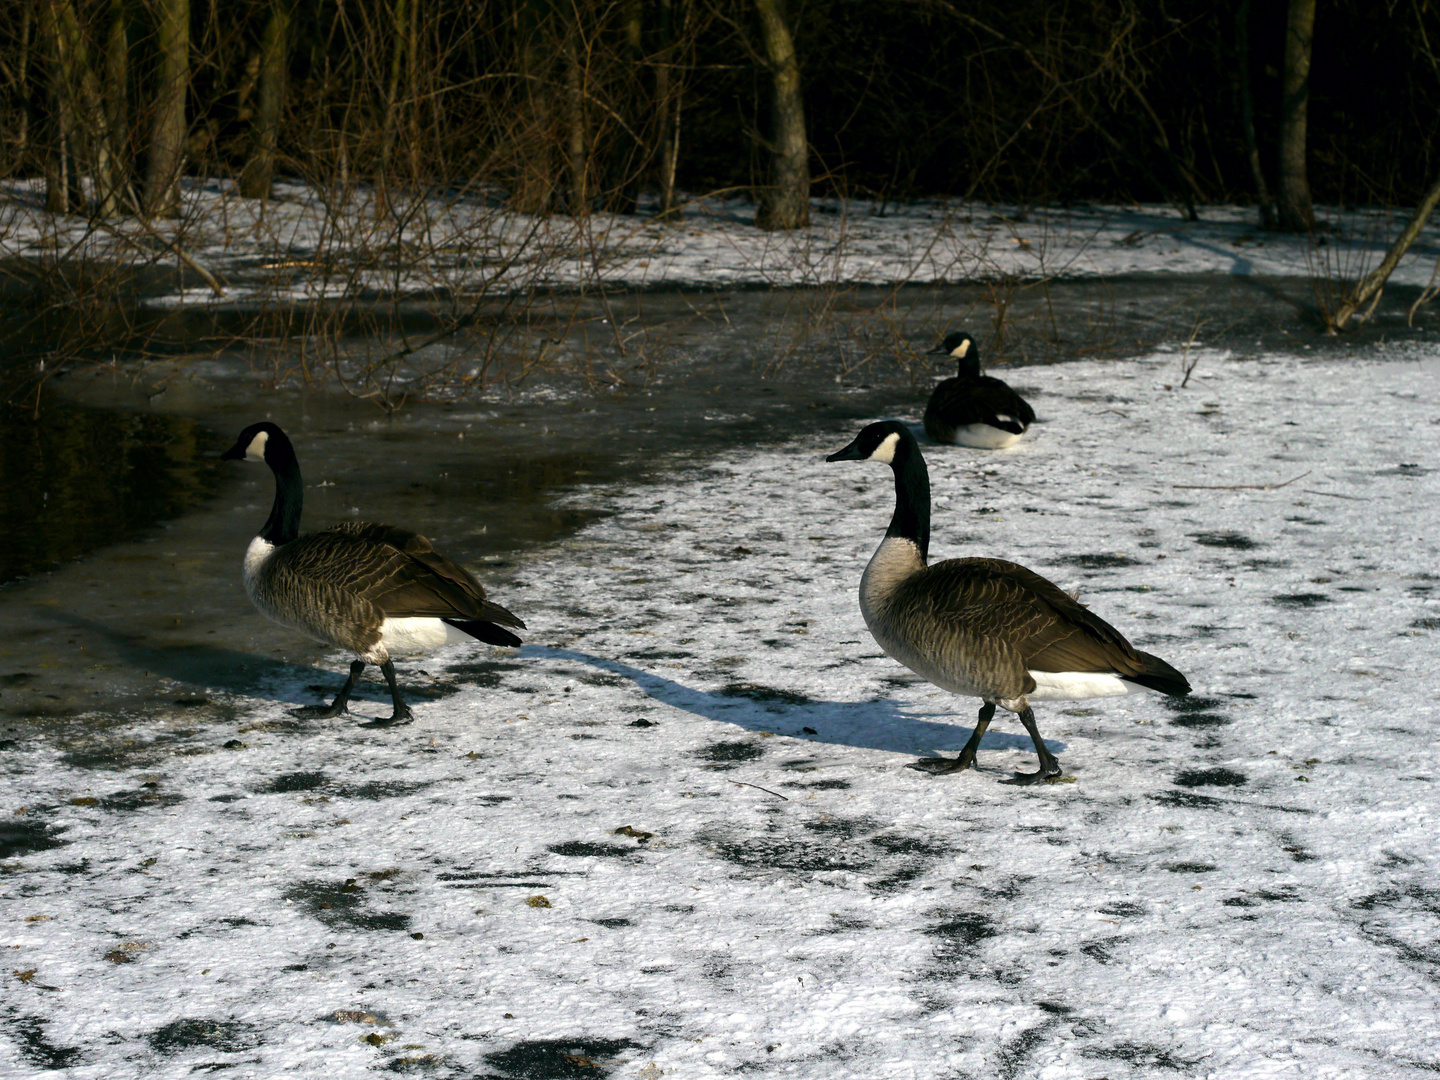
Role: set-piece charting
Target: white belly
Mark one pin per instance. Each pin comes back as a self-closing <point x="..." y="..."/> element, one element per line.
<point x="985" y="437"/>
<point x="1074" y="685"/>
<point x="407" y="637"/>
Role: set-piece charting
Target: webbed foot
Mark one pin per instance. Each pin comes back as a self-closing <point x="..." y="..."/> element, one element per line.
<point x="336" y="707"/>
<point x="944" y="766"/>
<point x="1041" y="776"/>
<point x="320" y="712"/>
<point x="1050" y="771"/>
<point x="402" y="716"/>
<point x="966" y="760"/>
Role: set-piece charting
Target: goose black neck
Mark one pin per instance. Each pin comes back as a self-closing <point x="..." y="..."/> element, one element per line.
<point x="911" y="520"/>
<point x="283" y="524"/>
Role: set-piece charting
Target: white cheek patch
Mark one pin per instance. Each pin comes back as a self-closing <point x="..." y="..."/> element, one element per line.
<point x="960" y="351"/>
<point x="885" y="452"/>
<point x="256" y="450"/>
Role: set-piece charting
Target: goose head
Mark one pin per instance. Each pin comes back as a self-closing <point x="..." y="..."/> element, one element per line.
<point x="961" y="346"/>
<point x="879" y="442"/>
<point x="262" y="442"/>
<point x="266" y="442"/>
<point x="892" y="443"/>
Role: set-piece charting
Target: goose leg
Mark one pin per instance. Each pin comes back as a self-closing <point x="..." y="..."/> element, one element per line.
<point x="338" y="706"/>
<point x="966" y="760"/>
<point x="402" y="714"/>
<point x="1049" y="767"/>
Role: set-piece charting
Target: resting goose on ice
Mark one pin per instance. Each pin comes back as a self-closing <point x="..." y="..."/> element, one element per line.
<point x="985" y="628"/>
<point x="973" y="409"/>
<point x="375" y="590"/>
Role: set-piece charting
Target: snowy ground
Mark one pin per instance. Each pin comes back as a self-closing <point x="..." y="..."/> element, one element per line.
<point x="674" y="835"/>
<point x="309" y="243"/>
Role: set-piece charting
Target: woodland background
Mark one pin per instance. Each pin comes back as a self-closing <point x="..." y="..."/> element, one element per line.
<point x="564" y="106"/>
<point x="428" y="192"/>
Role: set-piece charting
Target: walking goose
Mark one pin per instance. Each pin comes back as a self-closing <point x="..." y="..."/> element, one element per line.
<point x="985" y="628"/>
<point x="973" y="409"/>
<point x="372" y="589"/>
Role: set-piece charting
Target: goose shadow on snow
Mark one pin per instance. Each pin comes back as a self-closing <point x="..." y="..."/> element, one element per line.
<point x="867" y="725"/>
<point x="231" y="671"/>
<point x="883" y="725"/>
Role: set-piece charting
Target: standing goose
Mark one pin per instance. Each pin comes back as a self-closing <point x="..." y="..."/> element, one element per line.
<point x="372" y="589"/>
<point x="985" y="628"/>
<point x="973" y="409"/>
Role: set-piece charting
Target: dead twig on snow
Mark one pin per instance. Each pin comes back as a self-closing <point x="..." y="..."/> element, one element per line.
<point x="1240" y="487"/>
<point x="757" y="787"/>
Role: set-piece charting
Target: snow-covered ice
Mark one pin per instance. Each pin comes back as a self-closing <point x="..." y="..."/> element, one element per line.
<point x="313" y="244"/>
<point x="674" y="834"/>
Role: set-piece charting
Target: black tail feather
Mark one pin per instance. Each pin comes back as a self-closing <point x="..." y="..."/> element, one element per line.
<point x="1160" y="676"/>
<point x="487" y="632"/>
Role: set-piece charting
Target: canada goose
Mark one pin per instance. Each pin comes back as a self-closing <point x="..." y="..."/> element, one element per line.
<point x="973" y="409"/>
<point x="372" y="589"/>
<point x="985" y="628"/>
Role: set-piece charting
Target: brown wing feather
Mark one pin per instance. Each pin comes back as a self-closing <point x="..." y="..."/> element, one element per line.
<point x="394" y="569"/>
<point x="1000" y="600"/>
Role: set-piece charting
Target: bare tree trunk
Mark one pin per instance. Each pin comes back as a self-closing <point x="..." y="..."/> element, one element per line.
<point x="785" y="201"/>
<point x="22" y="80"/>
<point x="167" y="135"/>
<point x="667" y="109"/>
<point x="412" y="93"/>
<point x="1247" y="116"/>
<point x="259" y="170"/>
<point x="670" y="156"/>
<point x="60" y="133"/>
<point x="1296" y="214"/>
<point x="80" y="127"/>
<point x="117" y="182"/>
<point x="635" y="160"/>
<point x="535" y="167"/>
<point x="577" y="140"/>
<point x="401" y="57"/>
<point x="1370" y="285"/>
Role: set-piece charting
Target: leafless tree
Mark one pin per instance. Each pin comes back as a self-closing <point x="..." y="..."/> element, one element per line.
<point x="1292" y="204"/>
<point x="669" y="96"/>
<point x="1247" y="116"/>
<point x="785" y="198"/>
<point x="272" y="69"/>
<point x="80" y="142"/>
<point x="534" y="189"/>
<point x="1367" y="289"/>
<point x="168" y="128"/>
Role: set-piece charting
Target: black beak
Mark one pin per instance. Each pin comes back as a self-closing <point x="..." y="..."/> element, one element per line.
<point x="850" y="453"/>
<point x="235" y="453"/>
